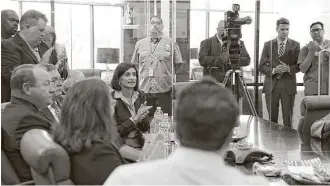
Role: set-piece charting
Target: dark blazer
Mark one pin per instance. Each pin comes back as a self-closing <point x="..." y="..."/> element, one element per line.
<point x="210" y="56"/>
<point x="270" y="59"/>
<point x="122" y="116"/>
<point x="93" y="166"/>
<point x="14" y="52"/>
<point x="17" y="118"/>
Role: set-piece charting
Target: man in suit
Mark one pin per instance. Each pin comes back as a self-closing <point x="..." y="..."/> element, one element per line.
<point x="9" y="24"/>
<point x="198" y="160"/>
<point x="54" y="109"/>
<point x="22" y="48"/>
<point x="279" y="64"/>
<point x="211" y="54"/>
<point x="31" y="91"/>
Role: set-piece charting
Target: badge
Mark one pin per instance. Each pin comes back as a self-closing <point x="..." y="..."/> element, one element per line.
<point x="167" y="47"/>
<point x="151" y="71"/>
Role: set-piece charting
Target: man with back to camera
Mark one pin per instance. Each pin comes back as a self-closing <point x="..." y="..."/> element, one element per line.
<point x="198" y="160"/>
<point x="9" y="24"/>
<point x="153" y="55"/>
<point x="309" y="58"/>
<point x="211" y="54"/>
<point x="23" y="48"/>
<point x="279" y="64"/>
<point x="31" y="92"/>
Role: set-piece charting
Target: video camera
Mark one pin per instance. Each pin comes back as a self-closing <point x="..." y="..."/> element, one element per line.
<point x="233" y="34"/>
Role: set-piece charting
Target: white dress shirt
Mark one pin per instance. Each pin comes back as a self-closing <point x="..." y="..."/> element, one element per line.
<point x="184" y="166"/>
<point x="53" y="112"/>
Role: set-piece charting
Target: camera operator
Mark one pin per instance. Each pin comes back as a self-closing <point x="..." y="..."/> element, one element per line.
<point x="212" y="54"/>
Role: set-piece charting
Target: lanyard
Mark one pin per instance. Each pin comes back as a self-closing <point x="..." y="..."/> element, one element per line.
<point x="153" y="49"/>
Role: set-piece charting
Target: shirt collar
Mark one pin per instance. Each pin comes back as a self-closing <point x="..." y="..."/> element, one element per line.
<point x="189" y="156"/>
<point x="32" y="49"/>
<point x="220" y="41"/>
<point x="157" y="39"/>
<point x="279" y="41"/>
<point x="119" y="95"/>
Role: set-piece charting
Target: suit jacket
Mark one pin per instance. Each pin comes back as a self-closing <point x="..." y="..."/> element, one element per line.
<point x="122" y="116"/>
<point x="17" y="118"/>
<point x="14" y="52"/>
<point x="93" y="166"/>
<point x="270" y="59"/>
<point x="181" y="168"/>
<point x="210" y="56"/>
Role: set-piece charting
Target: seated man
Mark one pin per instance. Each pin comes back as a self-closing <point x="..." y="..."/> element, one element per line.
<point x="31" y="91"/>
<point x="205" y="118"/>
<point x="53" y="110"/>
<point x="74" y="77"/>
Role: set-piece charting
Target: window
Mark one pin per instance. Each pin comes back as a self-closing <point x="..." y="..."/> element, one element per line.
<point x="63" y="28"/>
<point x="107" y="35"/>
<point x="41" y="7"/>
<point x="12" y="5"/>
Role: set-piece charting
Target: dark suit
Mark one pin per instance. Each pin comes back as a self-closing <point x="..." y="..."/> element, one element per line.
<point x="17" y="118"/>
<point x="210" y="56"/>
<point x="284" y="88"/>
<point x="14" y="52"/>
<point x="122" y="116"/>
<point x="93" y="166"/>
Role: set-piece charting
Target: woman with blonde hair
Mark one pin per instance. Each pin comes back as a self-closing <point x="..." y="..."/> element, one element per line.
<point x="87" y="130"/>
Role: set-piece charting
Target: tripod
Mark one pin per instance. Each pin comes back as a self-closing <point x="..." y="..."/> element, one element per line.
<point x="236" y="79"/>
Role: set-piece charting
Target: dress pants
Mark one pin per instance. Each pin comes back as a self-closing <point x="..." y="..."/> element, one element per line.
<point x="163" y="100"/>
<point x="287" y="101"/>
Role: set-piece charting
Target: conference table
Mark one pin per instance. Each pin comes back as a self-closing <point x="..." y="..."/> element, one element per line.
<point x="282" y="142"/>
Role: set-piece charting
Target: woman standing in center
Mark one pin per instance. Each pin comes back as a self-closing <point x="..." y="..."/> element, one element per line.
<point x="131" y="112"/>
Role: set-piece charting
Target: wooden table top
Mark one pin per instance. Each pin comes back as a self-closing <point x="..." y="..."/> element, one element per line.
<point x="281" y="141"/>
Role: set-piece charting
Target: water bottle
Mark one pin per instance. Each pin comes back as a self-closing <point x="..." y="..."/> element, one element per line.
<point x="165" y="128"/>
<point x="154" y="125"/>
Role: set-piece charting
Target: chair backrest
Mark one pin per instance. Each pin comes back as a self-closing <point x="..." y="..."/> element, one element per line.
<point x="91" y="72"/>
<point x="3" y="105"/>
<point x="49" y="162"/>
<point x="8" y="174"/>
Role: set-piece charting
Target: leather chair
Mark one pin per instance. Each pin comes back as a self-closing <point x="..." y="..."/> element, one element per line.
<point x="8" y="174"/>
<point x="312" y="108"/>
<point x="91" y="72"/>
<point x="49" y="162"/>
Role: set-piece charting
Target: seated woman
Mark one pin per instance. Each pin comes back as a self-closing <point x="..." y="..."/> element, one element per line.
<point x="87" y="131"/>
<point x="131" y="112"/>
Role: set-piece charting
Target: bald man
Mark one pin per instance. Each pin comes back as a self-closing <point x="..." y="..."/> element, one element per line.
<point x="74" y="77"/>
<point x="9" y="24"/>
<point x="211" y="54"/>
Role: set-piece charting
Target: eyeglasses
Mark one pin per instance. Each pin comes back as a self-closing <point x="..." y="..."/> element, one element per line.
<point x="316" y="30"/>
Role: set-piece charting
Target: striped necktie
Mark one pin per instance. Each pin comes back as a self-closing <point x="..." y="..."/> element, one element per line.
<point x="281" y="50"/>
<point x="57" y="109"/>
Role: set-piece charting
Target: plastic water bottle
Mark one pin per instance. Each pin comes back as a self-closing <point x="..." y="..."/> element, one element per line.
<point x="165" y="128"/>
<point x="154" y="125"/>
